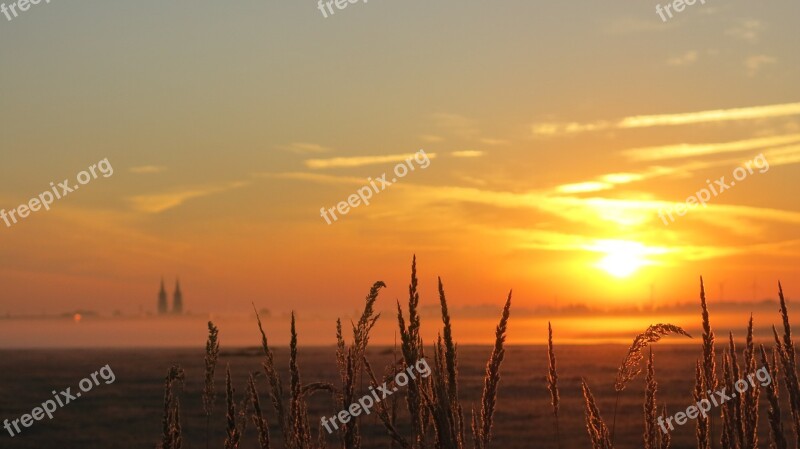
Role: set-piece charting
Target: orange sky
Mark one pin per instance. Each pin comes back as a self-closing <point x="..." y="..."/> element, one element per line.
<point x="553" y="145"/>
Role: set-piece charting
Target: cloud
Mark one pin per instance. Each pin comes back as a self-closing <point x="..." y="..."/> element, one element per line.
<point x="776" y="155"/>
<point x="622" y="178"/>
<point x="467" y="153"/>
<point x="494" y="142"/>
<point x="557" y="241"/>
<point x="693" y="150"/>
<point x="755" y="63"/>
<point x="687" y="118"/>
<point x="160" y="202"/>
<point x="598" y="212"/>
<point x="717" y="115"/>
<point x="306" y="148"/>
<point x="359" y="161"/>
<point x="604" y="182"/>
<point x="472" y="180"/>
<point x="632" y="25"/>
<point x="315" y="177"/>
<point x="549" y="129"/>
<point x="784" y="156"/>
<point x="583" y="187"/>
<point x="748" y="30"/>
<point x="685" y="59"/>
<point x="431" y="138"/>
<point x="455" y="124"/>
<point x="147" y="169"/>
<point x="595" y="215"/>
<point x="610" y="180"/>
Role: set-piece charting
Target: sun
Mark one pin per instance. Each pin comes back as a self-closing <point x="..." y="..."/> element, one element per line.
<point x="621" y="264"/>
<point x="623" y="258"/>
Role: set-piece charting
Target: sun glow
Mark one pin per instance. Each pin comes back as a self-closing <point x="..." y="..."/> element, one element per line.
<point x="623" y="258"/>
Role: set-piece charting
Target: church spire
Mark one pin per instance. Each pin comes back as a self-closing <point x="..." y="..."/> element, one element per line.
<point x="162" y="299"/>
<point x="177" y="299"/>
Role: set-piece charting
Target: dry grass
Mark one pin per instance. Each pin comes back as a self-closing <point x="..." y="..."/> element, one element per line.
<point x="552" y="380"/>
<point x="482" y="428"/>
<point x="653" y="437"/>
<point x="749" y="399"/>
<point x="442" y="393"/>
<point x="651" y="430"/>
<point x="212" y="354"/>
<point x="411" y="347"/>
<point x="598" y="431"/>
<point x="666" y="439"/>
<point x="778" y="441"/>
<point x="233" y="434"/>
<point x="731" y="410"/>
<point x="709" y="367"/>
<point x="385" y="415"/>
<point x="733" y="423"/>
<point x="258" y="417"/>
<point x="703" y="431"/>
<point x="786" y="354"/>
<point x="433" y="405"/>
<point x="171" y="424"/>
<point x="632" y="364"/>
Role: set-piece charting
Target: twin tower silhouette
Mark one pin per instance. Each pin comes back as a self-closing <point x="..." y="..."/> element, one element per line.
<point x="177" y="300"/>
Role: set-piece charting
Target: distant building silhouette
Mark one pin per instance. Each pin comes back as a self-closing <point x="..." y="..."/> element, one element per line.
<point x="177" y="299"/>
<point x="162" y="299"/>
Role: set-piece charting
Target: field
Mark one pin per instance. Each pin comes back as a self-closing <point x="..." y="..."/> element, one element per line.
<point x="491" y="396"/>
<point x="127" y="413"/>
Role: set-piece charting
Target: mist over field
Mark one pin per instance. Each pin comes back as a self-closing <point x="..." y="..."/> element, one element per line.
<point x="128" y="413"/>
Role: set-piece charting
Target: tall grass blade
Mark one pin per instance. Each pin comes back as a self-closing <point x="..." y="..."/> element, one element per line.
<point x="212" y="355"/>
<point x="552" y="380"/>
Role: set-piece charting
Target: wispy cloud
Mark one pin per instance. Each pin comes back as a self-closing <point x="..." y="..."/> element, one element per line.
<point x="610" y="180"/>
<point x="559" y="241"/>
<point x="431" y="138"/>
<point x="583" y="187"/>
<point x="784" y="156"/>
<point x="147" y="169"/>
<point x="693" y="150"/>
<point x="455" y="124"/>
<point x="688" y="118"/>
<point x="748" y="30"/>
<point x="494" y="142"/>
<point x="467" y="153"/>
<point x="621" y="178"/>
<point x="160" y="202"/>
<point x="597" y="212"/>
<point x="634" y="25"/>
<point x="359" y="161"/>
<point x="306" y="148"/>
<point x="627" y="213"/>
<point x="472" y="180"/>
<point x="717" y="115"/>
<point x="553" y="128"/>
<point x="595" y="215"/>
<point x="315" y="177"/>
<point x="755" y="63"/>
<point x="687" y="58"/>
<point x="776" y="155"/>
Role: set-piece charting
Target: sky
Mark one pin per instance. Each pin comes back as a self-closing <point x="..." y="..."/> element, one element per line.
<point x="557" y="135"/>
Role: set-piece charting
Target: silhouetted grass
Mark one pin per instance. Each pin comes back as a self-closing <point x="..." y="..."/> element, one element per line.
<point x="435" y="414"/>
